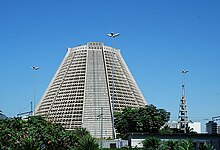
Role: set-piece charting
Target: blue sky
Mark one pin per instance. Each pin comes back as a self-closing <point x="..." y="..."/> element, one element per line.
<point x="158" y="39"/>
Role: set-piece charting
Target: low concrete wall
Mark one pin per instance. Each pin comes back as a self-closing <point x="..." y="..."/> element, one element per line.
<point x="117" y="143"/>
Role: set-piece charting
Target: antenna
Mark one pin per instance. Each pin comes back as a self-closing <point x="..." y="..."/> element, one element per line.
<point x="183" y="119"/>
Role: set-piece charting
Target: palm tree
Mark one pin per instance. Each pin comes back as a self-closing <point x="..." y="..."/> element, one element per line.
<point x="152" y="143"/>
<point x="88" y="142"/>
<point x="170" y="145"/>
<point x="186" y="145"/>
<point x="206" y="146"/>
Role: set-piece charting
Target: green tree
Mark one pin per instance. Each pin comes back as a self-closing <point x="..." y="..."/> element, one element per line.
<point x="206" y="146"/>
<point x="37" y="133"/>
<point x="88" y="143"/>
<point x="178" y="145"/>
<point x="11" y="133"/>
<point x="146" y="119"/>
<point x="152" y="143"/>
<point x="43" y="133"/>
<point x="170" y="145"/>
<point x="186" y="145"/>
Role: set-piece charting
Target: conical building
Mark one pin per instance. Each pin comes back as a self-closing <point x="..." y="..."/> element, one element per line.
<point x="91" y="78"/>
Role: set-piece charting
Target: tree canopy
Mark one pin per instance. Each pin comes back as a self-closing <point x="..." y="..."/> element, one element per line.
<point x="37" y="133"/>
<point x="146" y="119"/>
<point x="154" y="143"/>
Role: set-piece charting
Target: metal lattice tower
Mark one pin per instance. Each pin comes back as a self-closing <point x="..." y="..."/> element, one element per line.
<point x="183" y="119"/>
<point x="83" y="84"/>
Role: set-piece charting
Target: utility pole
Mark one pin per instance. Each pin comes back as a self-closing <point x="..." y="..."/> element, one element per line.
<point x="100" y="116"/>
<point x="101" y="128"/>
<point x="113" y="36"/>
<point x="34" y="68"/>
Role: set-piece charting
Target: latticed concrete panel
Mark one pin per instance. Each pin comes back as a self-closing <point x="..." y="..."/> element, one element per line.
<point x="90" y="77"/>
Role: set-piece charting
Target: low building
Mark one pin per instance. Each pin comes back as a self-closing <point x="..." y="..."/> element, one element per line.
<point x="172" y="124"/>
<point x="211" y="127"/>
<point x="2" y="116"/>
<point x="218" y="129"/>
<point x="196" y="126"/>
<point x="116" y="143"/>
<point x="135" y="139"/>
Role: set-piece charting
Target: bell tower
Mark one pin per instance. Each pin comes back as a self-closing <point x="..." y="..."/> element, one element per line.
<point x="183" y="119"/>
